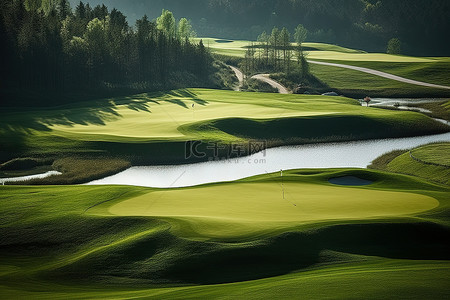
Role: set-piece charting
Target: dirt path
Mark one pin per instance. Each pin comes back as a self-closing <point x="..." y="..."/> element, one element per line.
<point x="381" y="74"/>
<point x="265" y="77"/>
<point x="240" y="77"/>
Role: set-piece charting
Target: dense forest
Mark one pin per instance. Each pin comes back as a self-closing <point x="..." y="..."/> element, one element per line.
<point x="50" y="47"/>
<point x="421" y="25"/>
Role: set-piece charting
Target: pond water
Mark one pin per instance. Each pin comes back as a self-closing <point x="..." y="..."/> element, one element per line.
<point x="356" y="154"/>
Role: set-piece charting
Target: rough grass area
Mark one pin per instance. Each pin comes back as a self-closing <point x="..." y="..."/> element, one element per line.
<point x="440" y="110"/>
<point x="254" y="85"/>
<point x="300" y="84"/>
<point x="25" y="166"/>
<point x="402" y="162"/>
<point x="120" y="242"/>
<point x="224" y="77"/>
<point x="80" y="170"/>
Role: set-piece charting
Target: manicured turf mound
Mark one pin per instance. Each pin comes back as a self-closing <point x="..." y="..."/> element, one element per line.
<point x="431" y="162"/>
<point x="245" y="240"/>
<point x="153" y="128"/>
<point x="322" y="128"/>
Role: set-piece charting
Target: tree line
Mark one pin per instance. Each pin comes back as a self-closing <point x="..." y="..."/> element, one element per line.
<point x="421" y="25"/>
<point x="275" y="52"/>
<point x="50" y="47"/>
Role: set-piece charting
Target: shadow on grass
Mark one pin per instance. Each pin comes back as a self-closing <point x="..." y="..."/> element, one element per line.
<point x="94" y="113"/>
<point x="18" y="126"/>
<point x="175" y="95"/>
<point x="194" y="262"/>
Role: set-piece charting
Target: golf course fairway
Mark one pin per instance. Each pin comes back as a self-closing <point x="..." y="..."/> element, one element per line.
<point x="304" y="154"/>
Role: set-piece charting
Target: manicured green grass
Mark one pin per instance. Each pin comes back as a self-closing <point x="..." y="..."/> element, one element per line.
<point x="152" y="128"/>
<point x="433" y="71"/>
<point x="402" y="162"/>
<point x="359" y="84"/>
<point x="71" y="242"/>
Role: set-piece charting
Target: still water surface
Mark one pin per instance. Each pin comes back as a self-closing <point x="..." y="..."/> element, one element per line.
<point x="356" y="154"/>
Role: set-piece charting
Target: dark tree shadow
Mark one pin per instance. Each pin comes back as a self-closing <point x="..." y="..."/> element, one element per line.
<point x="175" y="95"/>
<point x="177" y="102"/>
<point x="17" y="127"/>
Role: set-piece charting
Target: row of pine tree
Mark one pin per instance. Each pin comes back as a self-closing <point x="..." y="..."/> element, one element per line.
<point x="50" y="47"/>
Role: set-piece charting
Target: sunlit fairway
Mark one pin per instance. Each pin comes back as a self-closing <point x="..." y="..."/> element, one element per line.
<point x="182" y="115"/>
<point x="156" y="117"/>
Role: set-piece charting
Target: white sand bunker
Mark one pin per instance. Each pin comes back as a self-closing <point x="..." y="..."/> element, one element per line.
<point x="349" y="180"/>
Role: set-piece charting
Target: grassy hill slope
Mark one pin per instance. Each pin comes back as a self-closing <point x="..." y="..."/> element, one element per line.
<point x="116" y="242"/>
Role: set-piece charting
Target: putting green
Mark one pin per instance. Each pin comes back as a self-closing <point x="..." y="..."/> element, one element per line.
<point x="232" y="210"/>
